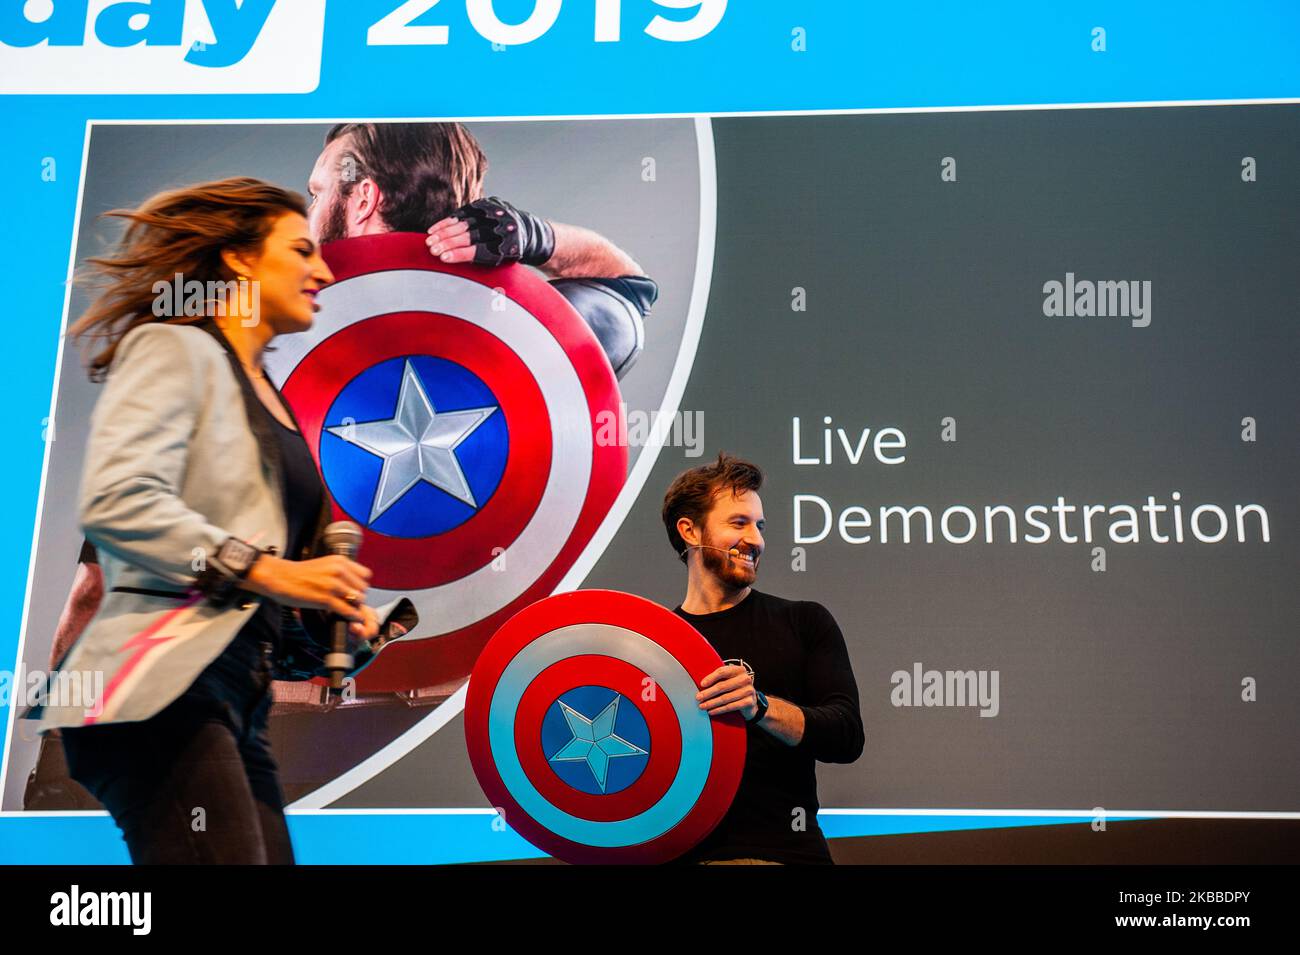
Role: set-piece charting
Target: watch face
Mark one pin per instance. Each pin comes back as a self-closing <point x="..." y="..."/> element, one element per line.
<point x="237" y="556"/>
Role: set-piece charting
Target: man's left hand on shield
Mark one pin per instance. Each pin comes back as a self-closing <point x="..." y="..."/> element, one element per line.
<point x="728" y="689"/>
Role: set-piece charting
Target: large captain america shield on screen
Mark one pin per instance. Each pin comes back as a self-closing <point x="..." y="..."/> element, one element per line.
<point x="583" y="729"/>
<point x="454" y="412"/>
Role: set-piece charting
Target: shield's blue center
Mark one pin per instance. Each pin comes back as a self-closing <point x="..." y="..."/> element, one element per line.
<point x="595" y="739"/>
<point x="414" y="446"/>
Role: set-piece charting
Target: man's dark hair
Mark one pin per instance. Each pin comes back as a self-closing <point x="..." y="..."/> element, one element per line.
<point x="423" y="170"/>
<point x="693" y="492"/>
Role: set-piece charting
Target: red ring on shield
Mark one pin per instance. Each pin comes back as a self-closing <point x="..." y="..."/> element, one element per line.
<point x="404" y="563"/>
<point x="621" y="677"/>
<point x="649" y="621"/>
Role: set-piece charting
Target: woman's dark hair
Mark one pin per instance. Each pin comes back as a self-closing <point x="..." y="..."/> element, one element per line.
<point x="423" y="170"/>
<point x="693" y="492"/>
<point x="180" y="232"/>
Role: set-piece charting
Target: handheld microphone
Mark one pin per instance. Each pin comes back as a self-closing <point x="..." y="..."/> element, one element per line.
<point x="342" y="538"/>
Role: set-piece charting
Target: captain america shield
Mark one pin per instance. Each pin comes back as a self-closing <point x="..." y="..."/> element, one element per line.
<point x="584" y="731"/>
<point x="453" y="411"/>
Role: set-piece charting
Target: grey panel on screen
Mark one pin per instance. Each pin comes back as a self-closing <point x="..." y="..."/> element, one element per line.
<point x="925" y="301"/>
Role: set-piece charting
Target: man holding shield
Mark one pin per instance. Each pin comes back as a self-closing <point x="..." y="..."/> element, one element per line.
<point x="786" y="669"/>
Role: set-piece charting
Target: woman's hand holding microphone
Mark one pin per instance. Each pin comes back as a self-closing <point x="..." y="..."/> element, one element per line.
<point x="334" y="584"/>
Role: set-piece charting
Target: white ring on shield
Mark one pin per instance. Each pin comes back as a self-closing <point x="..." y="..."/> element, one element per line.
<point x="695" y="725"/>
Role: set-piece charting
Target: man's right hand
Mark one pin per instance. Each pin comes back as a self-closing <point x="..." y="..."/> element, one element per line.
<point x="728" y="689"/>
<point x="334" y="583"/>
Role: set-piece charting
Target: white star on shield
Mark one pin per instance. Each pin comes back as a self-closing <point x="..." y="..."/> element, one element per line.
<point x="594" y="741"/>
<point x="417" y="444"/>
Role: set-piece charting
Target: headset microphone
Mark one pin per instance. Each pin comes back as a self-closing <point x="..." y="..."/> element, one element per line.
<point x="734" y="551"/>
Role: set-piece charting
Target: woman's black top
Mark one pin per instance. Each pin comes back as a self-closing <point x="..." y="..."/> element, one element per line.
<point x="302" y="502"/>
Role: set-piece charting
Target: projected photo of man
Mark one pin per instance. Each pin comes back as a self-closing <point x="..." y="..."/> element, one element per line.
<point x="373" y="179"/>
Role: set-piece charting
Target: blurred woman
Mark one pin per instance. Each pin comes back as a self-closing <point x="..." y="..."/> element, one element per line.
<point x="205" y="506"/>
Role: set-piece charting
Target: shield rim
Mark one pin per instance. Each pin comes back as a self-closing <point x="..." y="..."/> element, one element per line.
<point x="670" y="631"/>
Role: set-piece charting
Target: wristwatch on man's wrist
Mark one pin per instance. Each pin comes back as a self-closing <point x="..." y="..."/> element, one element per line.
<point x="762" y="707"/>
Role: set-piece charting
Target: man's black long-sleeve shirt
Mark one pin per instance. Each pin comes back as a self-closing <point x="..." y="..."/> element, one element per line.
<point x="797" y="652"/>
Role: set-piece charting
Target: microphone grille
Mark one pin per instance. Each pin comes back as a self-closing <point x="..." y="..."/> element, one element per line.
<point x="343" y="537"/>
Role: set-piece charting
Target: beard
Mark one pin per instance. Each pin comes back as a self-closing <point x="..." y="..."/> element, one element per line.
<point x="733" y="572"/>
<point x="335" y="224"/>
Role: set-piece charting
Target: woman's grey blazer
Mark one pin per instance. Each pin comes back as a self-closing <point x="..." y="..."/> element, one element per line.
<point x="178" y="460"/>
